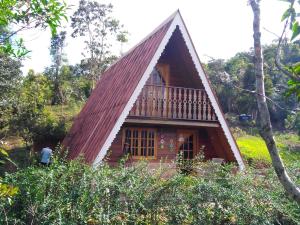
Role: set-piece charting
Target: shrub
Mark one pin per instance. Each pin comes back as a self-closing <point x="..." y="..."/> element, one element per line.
<point x="74" y="193"/>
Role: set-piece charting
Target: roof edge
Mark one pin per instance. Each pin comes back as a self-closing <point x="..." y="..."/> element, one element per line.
<point x="210" y="93"/>
<point x="138" y="89"/>
<point x="177" y="21"/>
<point x="173" y="15"/>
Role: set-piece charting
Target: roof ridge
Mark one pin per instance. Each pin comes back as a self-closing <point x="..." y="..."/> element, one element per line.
<point x="171" y="17"/>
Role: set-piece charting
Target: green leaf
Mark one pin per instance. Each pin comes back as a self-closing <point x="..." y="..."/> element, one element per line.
<point x="286" y="14"/>
<point x="3" y="152"/>
<point x="295" y="30"/>
<point x="296" y="68"/>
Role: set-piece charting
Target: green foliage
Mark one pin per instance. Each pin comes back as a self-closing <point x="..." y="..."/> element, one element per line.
<point x="24" y="15"/>
<point x="10" y="78"/>
<point x="73" y="193"/>
<point x="289" y="122"/>
<point x="57" y="73"/>
<point x="4" y="157"/>
<point x="291" y="15"/>
<point x="294" y="84"/>
<point x="234" y="83"/>
<point x="292" y="122"/>
<point x="95" y="22"/>
<point x="28" y="109"/>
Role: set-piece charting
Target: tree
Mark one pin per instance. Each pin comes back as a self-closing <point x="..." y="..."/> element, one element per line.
<point x="20" y="15"/>
<point x="264" y="117"/>
<point x="94" y="21"/>
<point x="33" y="95"/>
<point x="10" y="78"/>
<point x="54" y="72"/>
<point x="292" y="71"/>
<point x="10" y="75"/>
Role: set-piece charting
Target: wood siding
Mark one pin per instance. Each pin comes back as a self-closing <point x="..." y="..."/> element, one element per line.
<point x="209" y="138"/>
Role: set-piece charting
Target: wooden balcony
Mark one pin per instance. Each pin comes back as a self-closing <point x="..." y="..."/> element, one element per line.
<point x="176" y="103"/>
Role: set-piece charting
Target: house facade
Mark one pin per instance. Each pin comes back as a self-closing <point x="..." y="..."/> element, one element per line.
<point x="153" y="103"/>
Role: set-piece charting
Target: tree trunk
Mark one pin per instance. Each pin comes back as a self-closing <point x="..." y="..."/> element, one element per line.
<point x="264" y="117"/>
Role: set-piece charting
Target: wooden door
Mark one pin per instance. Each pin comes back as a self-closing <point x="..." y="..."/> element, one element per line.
<point x="187" y="143"/>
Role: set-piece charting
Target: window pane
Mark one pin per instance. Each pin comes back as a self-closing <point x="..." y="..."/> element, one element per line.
<point x="139" y="142"/>
<point x="185" y="155"/>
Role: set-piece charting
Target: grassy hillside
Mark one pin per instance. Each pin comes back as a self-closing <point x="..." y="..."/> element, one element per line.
<point x="253" y="148"/>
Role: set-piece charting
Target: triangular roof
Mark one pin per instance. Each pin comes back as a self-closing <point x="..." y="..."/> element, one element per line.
<point x="101" y="118"/>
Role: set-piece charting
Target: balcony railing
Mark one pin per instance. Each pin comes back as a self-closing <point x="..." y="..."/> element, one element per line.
<point x="173" y="103"/>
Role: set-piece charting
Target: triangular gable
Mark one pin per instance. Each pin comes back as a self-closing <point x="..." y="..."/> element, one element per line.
<point x="169" y="26"/>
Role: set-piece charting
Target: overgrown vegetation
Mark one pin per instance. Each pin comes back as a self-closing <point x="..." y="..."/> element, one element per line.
<point x="39" y="107"/>
<point x="72" y="193"/>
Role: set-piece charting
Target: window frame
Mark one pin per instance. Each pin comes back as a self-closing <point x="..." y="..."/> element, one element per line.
<point x="195" y="140"/>
<point x="139" y="156"/>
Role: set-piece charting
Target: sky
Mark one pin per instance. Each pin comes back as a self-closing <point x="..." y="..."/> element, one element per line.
<point x="218" y="28"/>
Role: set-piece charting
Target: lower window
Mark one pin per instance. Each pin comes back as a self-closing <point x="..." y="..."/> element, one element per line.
<point x="139" y="142"/>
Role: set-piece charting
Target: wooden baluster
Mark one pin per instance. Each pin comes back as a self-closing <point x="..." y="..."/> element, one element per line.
<point x="153" y="102"/>
<point x="175" y="103"/>
<point x="199" y="104"/>
<point x="169" y="98"/>
<point x="190" y="104"/>
<point x="213" y="117"/>
<point x="194" y="104"/>
<point x="184" y="114"/>
<point x="204" y="106"/>
<point x="208" y="111"/>
<point x="159" y="102"/>
<point x="179" y="103"/>
<point x="165" y="92"/>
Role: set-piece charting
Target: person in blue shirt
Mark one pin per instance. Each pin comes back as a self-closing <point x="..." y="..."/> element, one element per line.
<point x="46" y="156"/>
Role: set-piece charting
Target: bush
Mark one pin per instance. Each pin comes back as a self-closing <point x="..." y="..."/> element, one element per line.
<point x="292" y="122"/>
<point x="74" y="193"/>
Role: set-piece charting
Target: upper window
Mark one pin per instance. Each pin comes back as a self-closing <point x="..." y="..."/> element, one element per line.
<point x="156" y="78"/>
<point x="139" y="142"/>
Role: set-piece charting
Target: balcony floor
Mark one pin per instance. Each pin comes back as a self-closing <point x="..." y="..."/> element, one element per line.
<point x="171" y="122"/>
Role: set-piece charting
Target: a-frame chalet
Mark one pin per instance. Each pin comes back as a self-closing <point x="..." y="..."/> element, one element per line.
<point x="154" y="102"/>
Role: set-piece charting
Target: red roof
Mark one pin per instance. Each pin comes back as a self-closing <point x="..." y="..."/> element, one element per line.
<point x="96" y="120"/>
